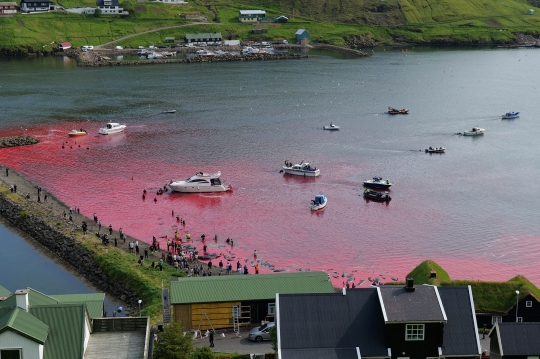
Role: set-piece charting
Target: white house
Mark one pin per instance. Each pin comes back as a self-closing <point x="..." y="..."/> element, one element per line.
<point x="8" y="7"/>
<point x="36" y="6"/>
<point x="251" y="15"/>
<point x="109" y="7"/>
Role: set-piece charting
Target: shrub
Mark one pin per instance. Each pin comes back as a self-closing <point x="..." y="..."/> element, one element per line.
<point x="25" y="214"/>
<point x="202" y="353"/>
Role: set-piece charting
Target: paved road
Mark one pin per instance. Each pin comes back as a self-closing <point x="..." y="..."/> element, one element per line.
<point x="231" y="344"/>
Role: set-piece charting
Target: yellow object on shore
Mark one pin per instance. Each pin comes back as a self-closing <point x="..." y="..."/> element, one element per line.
<point x="188" y="236"/>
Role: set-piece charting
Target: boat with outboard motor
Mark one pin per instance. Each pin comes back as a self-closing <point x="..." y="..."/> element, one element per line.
<point x="75" y="133"/>
<point x="476" y="131"/>
<point x="435" y="149"/>
<point x="377" y="182"/>
<point x="510" y="115"/>
<point x="319" y="202"/>
<point x="301" y="169"/>
<point x="332" y="127"/>
<point x="395" y="111"/>
<point x="168" y="111"/>
<point x="200" y="183"/>
<point x="376" y="196"/>
<point x="111" y="127"/>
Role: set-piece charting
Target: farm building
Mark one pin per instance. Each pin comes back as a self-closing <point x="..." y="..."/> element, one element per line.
<point x="282" y="19"/>
<point x="8" y="7"/>
<point x="251" y="15"/>
<point x="64" y="46"/>
<point x="302" y="37"/>
<point x="204" y="37"/>
<point x="204" y="302"/>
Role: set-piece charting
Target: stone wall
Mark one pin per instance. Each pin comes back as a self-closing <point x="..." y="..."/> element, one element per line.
<point x="64" y="247"/>
<point x="14" y="141"/>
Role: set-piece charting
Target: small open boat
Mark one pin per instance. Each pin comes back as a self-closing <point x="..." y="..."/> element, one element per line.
<point x="377" y="196"/>
<point x="510" y="115"/>
<point x="435" y="150"/>
<point x="395" y="111"/>
<point x="332" y="127"/>
<point x="75" y="133"/>
<point x="377" y="182"/>
<point x="319" y="202"/>
<point x="476" y="131"/>
<point x="168" y="111"/>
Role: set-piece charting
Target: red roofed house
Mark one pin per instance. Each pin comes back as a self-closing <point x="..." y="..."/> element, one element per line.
<point x="64" y="46"/>
<point x="8" y="7"/>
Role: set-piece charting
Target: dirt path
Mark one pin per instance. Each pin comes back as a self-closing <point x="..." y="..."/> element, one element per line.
<point x="101" y="47"/>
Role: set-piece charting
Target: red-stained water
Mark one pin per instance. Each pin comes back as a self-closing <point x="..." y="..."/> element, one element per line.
<point x="462" y="209"/>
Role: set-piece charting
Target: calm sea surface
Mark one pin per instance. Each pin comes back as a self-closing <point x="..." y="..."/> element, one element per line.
<point x="474" y="209"/>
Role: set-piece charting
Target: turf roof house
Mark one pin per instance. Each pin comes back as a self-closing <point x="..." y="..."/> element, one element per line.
<point x="413" y="322"/>
<point x="528" y="310"/>
<point x="205" y="300"/>
<point x="69" y="326"/>
<point x="515" y="341"/>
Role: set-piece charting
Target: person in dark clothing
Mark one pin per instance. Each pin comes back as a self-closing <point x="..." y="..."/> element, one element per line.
<point x="211" y="338"/>
<point x="238" y="265"/>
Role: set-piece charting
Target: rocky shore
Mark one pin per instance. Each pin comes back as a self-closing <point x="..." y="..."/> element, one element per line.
<point x="14" y="141"/>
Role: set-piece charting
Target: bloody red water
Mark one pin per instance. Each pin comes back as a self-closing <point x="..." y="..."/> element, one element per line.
<point x="267" y="211"/>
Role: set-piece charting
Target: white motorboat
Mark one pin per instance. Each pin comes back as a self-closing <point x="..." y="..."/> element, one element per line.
<point x="205" y="53"/>
<point x="111" y="127"/>
<point x="168" y="111"/>
<point x="331" y="127"/>
<point x="301" y="169"/>
<point x="319" y="202"/>
<point x="377" y="182"/>
<point x="476" y="131"/>
<point x="200" y="183"/>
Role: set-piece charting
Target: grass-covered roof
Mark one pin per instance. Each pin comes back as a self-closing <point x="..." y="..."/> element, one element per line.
<point x="488" y="296"/>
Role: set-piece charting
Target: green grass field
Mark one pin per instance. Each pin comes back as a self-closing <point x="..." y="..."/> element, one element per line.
<point x="330" y="21"/>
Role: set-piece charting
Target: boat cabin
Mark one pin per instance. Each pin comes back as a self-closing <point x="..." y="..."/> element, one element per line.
<point x="319" y="199"/>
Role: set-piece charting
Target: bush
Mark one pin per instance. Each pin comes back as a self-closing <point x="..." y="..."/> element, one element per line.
<point x="25" y="214"/>
<point x="97" y="13"/>
<point x="173" y="344"/>
<point x="202" y="353"/>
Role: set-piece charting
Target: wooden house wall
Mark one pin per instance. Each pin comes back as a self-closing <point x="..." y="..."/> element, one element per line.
<point x="529" y="314"/>
<point x="414" y="349"/>
<point x="219" y="314"/>
<point x="182" y="313"/>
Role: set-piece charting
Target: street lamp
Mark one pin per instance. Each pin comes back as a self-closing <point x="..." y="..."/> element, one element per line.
<point x="140" y="301"/>
<point x="517" y="303"/>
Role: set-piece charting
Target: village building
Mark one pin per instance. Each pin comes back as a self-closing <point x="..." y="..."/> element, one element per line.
<point x="413" y="322"/>
<point x="527" y="309"/>
<point x="34" y="325"/>
<point x="36" y="6"/>
<point x="227" y="301"/>
<point x="302" y="37"/>
<point x="515" y="341"/>
<point x="109" y="7"/>
<point x="8" y="8"/>
<point x="251" y="15"/>
<point x="64" y="46"/>
<point x="282" y="19"/>
<point x="203" y="37"/>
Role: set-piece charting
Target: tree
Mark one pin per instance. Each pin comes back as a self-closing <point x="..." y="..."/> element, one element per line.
<point x="273" y="337"/>
<point x="173" y="344"/>
<point x="202" y="353"/>
<point x="97" y="13"/>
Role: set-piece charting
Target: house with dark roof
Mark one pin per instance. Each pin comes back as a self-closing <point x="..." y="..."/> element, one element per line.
<point x="36" y="6"/>
<point x="527" y="309"/>
<point x="413" y="322"/>
<point x="34" y="325"/>
<point x="515" y="341"/>
<point x="228" y="301"/>
<point x="109" y="7"/>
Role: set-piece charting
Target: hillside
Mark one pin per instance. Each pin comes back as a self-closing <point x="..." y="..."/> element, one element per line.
<point x="357" y="23"/>
<point x="488" y="296"/>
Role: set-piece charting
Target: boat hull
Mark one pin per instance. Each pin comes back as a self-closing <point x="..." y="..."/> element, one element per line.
<point x="468" y="133"/>
<point x="189" y="188"/>
<point x="291" y="171"/>
<point x="108" y="131"/>
<point x="509" y="117"/>
<point x="435" y="151"/>
<point x="371" y="184"/>
<point x="77" y="134"/>
<point x="331" y="128"/>
<point x="318" y="206"/>
<point x="378" y="197"/>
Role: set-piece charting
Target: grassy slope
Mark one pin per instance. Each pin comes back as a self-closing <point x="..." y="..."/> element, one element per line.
<point x="488" y="296"/>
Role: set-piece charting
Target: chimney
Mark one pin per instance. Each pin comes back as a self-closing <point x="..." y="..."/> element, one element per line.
<point x="21" y="297"/>
<point x="433" y="274"/>
<point x="410" y="285"/>
<point x="344" y="291"/>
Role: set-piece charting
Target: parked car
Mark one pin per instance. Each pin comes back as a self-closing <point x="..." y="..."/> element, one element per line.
<point x="87" y="47"/>
<point x="141" y="47"/>
<point x="285" y="42"/>
<point x="118" y="48"/>
<point x="190" y="45"/>
<point x="202" y="44"/>
<point x="256" y="44"/>
<point x="261" y="333"/>
<point x="264" y="43"/>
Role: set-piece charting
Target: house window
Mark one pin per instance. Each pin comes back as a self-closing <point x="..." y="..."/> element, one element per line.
<point x="528" y="303"/>
<point x="271" y="308"/>
<point x="520" y="319"/>
<point x="414" y="332"/>
<point x="10" y="354"/>
<point x="496" y="320"/>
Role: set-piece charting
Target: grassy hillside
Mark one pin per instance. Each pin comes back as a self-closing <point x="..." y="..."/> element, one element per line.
<point x="488" y="296"/>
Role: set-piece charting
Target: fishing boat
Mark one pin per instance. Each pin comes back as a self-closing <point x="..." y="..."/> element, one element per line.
<point x="111" y="127"/>
<point x="319" y="202"/>
<point x="301" y="169"/>
<point x="331" y="127"/>
<point x="205" y="53"/>
<point x="200" y="183"/>
<point x="75" y="133"/>
<point x="510" y="115"/>
<point x="376" y="196"/>
<point x="476" y="131"/>
<point x="435" y="150"/>
<point x="168" y="111"/>
<point x="394" y="111"/>
<point x="377" y="182"/>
